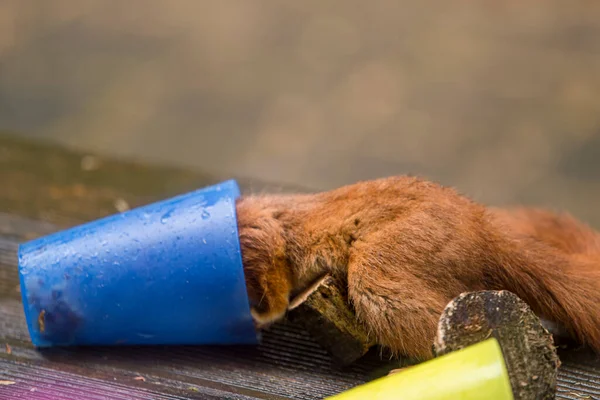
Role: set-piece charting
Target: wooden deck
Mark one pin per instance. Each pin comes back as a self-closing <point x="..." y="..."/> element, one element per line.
<point x="44" y="188"/>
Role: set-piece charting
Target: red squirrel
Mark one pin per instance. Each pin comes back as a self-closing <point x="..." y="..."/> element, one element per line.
<point x="407" y="246"/>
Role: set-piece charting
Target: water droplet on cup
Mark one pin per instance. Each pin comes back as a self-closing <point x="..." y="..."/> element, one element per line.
<point x="166" y="216"/>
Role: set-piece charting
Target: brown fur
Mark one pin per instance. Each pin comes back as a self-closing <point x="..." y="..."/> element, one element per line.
<point x="407" y="246"/>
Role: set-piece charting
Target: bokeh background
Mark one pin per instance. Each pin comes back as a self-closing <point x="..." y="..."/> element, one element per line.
<point x="498" y="98"/>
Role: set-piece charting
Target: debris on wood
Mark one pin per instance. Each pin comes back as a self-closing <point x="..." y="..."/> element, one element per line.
<point x="90" y="163"/>
<point x="139" y="378"/>
<point x="8" y="348"/>
<point x="580" y="396"/>
<point x="42" y="321"/>
<point x="7" y="383"/>
<point x="121" y="204"/>
<point x="324" y="311"/>
<point x="528" y="348"/>
<point x="396" y="370"/>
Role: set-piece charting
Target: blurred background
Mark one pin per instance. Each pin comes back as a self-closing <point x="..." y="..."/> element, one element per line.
<point x="498" y="98"/>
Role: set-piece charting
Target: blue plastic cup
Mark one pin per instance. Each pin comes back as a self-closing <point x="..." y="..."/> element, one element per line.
<point x="166" y="273"/>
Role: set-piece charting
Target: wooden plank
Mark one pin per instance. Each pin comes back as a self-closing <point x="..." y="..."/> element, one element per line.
<point x="49" y="183"/>
<point x="35" y="382"/>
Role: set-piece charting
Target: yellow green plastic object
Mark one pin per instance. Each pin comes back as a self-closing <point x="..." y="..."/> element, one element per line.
<point x="476" y="372"/>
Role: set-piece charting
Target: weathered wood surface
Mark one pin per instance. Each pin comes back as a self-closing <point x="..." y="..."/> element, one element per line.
<point x="43" y="188"/>
<point x="324" y="312"/>
<point x="528" y="348"/>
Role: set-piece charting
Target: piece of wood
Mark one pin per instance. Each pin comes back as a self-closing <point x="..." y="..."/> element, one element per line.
<point x="325" y="313"/>
<point x="528" y="348"/>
